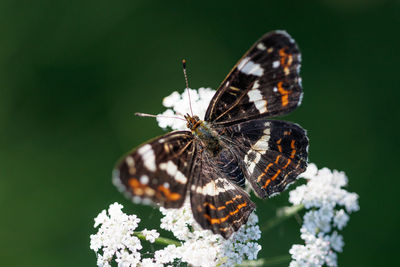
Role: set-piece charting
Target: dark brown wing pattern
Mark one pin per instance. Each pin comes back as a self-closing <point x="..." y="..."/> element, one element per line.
<point x="264" y="83"/>
<point x="217" y="203"/>
<point x="274" y="153"/>
<point x="158" y="171"/>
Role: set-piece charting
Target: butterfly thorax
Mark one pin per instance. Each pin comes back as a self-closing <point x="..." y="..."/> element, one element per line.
<point x="204" y="132"/>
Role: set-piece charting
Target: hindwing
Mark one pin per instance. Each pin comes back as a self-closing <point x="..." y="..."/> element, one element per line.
<point x="274" y="153"/>
<point x="158" y="171"/>
<point x="217" y="204"/>
<point x="265" y="82"/>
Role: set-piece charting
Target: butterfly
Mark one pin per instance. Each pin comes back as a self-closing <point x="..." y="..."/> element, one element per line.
<point x="234" y="143"/>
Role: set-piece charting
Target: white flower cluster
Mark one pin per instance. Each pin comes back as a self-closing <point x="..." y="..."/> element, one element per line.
<point x="203" y="248"/>
<point x="116" y="240"/>
<point x="179" y="104"/>
<point x="329" y="208"/>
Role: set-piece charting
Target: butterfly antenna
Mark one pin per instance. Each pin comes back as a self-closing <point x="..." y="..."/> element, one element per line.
<point x="157" y="116"/>
<point x="187" y="84"/>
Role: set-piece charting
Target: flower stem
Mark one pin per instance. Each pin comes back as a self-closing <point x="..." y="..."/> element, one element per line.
<point x="277" y="260"/>
<point x="282" y="215"/>
<point x="161" y="240"/>
<point x="266" y="262"/>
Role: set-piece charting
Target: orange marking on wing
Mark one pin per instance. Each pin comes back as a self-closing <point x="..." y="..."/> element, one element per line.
<point x="265" y="172"/>
<point x="168" y="194"/>
<point x="285" y="100"/>
<point x="236" y="197"/>
<point x="290" y="60"/>
<point x="267" y="183"/>
<point x="210" y="205"/>
<point x="272" y="178"/>
<point x="136" y="186"/>
<point x="223" y="219"/>
<point x="140" y="189"/>
<point x="134" y="183"/>
<point x="285" y="94"/>
<point x="286" y="59"/>
<point x="279" y="145"/>
<point x="276" y="175"/>
<point x="283" y="56"/>
<point x="213" y="207"/>
<point x="292" y="144"/>
<point x="293" y="147"/>
<point x="228" y="202"/>
<point x="293" y="153"/>
<point x="287" y="164"/>
<point x="277" y="159"/>
<point x="233" y="199"/>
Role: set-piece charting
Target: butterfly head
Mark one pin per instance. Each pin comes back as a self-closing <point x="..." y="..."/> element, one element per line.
<point x="192" y="122"/>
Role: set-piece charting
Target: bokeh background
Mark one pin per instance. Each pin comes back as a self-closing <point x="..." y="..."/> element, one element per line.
<point x="72" y="74"/>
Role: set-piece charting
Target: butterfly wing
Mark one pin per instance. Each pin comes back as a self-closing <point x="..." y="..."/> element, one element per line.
<point x="265" y="82"/>
<point x="274" y="153"/>
<point x="158" y="171"/>
<point x="217" y="204"/>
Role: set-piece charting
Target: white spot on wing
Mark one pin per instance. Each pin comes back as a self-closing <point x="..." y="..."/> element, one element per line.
<point x="275" y="64"/>
<point x="211" y="189"/>
<point x="300" y="99"/>
<point x="261" y="46"/>
<point x="255" y="85"/>
<point x="249" y="67"/>
<point x="242" y="63"/>
<point x="172" y="170"/>
<point x="144" y="179"/>
<point x="261" y="145"/>
<point x="129" y="160"/>
<point x="147" y="201"/>
<point x="256" y="97"/>
<point x="251" y="164"/>
<point x="148" y="156"/>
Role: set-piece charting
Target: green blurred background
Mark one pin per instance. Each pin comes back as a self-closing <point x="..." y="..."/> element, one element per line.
<point x="72" y="74"/>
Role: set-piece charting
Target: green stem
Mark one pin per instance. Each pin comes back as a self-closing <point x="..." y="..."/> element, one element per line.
<point x="161" y="240"/>
<point x="266" y="262"/>
<point x="282" y="215"/>
<point x="277" y="260"/>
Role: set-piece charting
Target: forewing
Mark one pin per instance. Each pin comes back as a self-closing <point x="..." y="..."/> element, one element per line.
<point x="265" y="82"/>
<point x="158" y="171"/>
<point x="218" y="204"/>
<point x="274" y="153"/>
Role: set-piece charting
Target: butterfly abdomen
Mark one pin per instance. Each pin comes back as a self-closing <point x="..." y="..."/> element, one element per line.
<point x="229" y="165"/>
